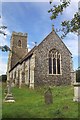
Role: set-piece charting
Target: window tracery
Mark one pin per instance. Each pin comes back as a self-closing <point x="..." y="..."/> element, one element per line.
<point x="54" y="62"/>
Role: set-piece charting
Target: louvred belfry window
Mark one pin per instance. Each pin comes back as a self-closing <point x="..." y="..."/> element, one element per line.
<point x="54" y="62"/>
<point x="19" y="43"/>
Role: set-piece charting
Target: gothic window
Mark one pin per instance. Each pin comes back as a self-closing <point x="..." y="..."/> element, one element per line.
<point x="54" y="62"/>
<point x="19" y="43"/>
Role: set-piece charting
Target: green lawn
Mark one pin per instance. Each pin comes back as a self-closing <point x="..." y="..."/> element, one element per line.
<point x="0" y="100"/>
<point x="30" y="104"/>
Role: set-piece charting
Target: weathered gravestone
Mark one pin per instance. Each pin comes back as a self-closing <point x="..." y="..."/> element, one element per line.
<point x="76" y="92"/>
<point x="48" y="96"/>
<point x="76" y="88"/>
<point x="9" y="96"/>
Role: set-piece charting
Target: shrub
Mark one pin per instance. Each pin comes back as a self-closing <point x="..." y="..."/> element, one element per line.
<point x="3" y="78"/>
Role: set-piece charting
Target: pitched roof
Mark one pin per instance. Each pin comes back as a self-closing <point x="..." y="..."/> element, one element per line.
<point x="29" y="54"/>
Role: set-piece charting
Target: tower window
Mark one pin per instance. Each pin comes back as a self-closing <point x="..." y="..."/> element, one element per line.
<point x="19" y="43"/>
<point x="54" y="62"/>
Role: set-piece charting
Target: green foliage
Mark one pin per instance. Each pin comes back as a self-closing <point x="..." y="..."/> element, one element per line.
<point x="5" y="48"/>
<point x="30" y="104"/>
<point x="78" y="75"/>
<point x="2" y="28"/>
<point x="58" y="9"/>
<point x="3" y="78"/>
<point x="72" y="25"/>
<point x="0" y="100"/>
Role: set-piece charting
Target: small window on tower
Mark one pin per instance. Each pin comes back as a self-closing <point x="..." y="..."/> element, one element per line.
<point x="19" y="43"/>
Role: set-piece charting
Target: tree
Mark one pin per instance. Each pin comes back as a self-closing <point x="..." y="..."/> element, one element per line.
<point x="5" y="47"/>
<point x="78" y="75"/>
<point x="72" y="25"/>
<point x="2" y="28"/>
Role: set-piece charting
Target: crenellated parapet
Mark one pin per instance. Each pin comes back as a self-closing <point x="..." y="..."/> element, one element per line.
<point x="19" y="33"/>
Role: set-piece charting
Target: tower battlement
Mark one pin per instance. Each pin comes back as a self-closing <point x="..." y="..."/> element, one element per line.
<point x="19" y="33"/>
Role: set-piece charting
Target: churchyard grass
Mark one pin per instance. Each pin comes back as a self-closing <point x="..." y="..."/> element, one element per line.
<point x="30" y="103"/>
<point x="0" y="100"/>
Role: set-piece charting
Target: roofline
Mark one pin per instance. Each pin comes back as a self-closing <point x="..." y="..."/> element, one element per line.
<point x="26" y="56"/>
<point x="58" y="37"/>
<point x="14" y="66"/>
<point x="23" y="59"/>
<point x="20" y="62"/>
<point x="44" y="39"/>
<point x="63" y="42"/>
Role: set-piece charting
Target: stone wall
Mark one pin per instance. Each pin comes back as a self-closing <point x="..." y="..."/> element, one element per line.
<point x="24" y="73"/>
<point x="27" y="81"/>
<point x="34" y="70"/>
<point x="29" y="71"/>
<point x="15" y="75"/>
<point x="42" y="76"/>
<point x="32" y="67"/>
<point x="17" y="52"/>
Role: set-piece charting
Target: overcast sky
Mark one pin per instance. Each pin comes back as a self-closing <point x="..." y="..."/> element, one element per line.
<point x="33" y="18"/>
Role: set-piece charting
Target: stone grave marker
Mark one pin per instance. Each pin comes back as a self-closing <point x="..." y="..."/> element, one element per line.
<point x="9" y="97"/>
<point x="76" y="92"/>
<point x="48" y="96"/>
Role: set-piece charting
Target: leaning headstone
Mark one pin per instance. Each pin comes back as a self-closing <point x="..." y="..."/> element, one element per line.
<point x="76" y="92"/>
<point x="48" y="96"/>
<point x="9" y="96"/>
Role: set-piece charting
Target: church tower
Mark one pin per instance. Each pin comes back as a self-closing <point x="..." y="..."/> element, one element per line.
<point x="18" y="46"/>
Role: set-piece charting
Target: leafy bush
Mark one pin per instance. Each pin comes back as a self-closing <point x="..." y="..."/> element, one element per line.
<point x="78" y="76"/>
<point x="3" y="78"/>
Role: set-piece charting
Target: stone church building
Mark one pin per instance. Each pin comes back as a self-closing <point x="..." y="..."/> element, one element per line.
<point x="49" y="63"/>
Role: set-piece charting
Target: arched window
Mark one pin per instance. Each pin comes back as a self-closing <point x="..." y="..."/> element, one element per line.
<point x="19" y="43"/>
<point x="54" y="62"/>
